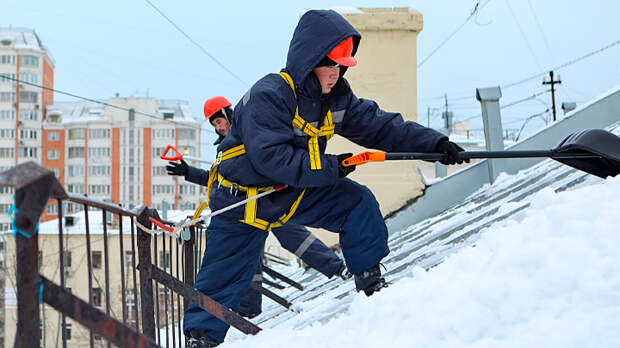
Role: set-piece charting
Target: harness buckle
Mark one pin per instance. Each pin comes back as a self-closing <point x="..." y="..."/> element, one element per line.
<point x="218" y="158"/>
<point x="234" y="188"/>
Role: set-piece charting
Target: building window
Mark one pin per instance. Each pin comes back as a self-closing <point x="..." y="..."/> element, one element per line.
<point x="56" y="171"/>
<point x="97" y="297"/>
<point x="66" y="259"/>
<point x="189" y="151"/>
<point x="28" y="134"/>
<point x="163" y="133"/>
<point x="5" y="59"/>
<point x="96" y="259"/>
<point x="159" y="171"/>
<point x="28" y="97"/>
<point x="7" y="152"/>
<point x="99" y="133"/>
<point x="7" y="97"/>
<point x="129" y="259"/>
<point x="53" y="136"/>
<point x="187" y="134"/>
<point x="168" y="115"/>
<point x="7" y="115"/>
<point x="99" y="189"/>
<point x="39" y="259"/>
<point x="31" y="78"/>
<point x="185" y="189"/>
<point x="75" y="170"/>
<point x="7" y="78"/>
<point x="99" y="152"/>
<point x="52" y="209"/>
<point x="7" y="133"/>
<point x="53" y="154"/>
<point x="99" y="170"/>
<point x="132" y="115"/>
<point x="74" y="188"/>
<point x="6" y="189"/>
<point x="53" y="118"/>
<point x="76" y="152"/>
<point x="28" y="152"/>
<point x="164" y="262"/>
<point x="28" y="60"/>
<point x="28" y="115"/>
<point x="157" y="151"/>
<point x="68" y="332"/>
<point x="76" y="133"/>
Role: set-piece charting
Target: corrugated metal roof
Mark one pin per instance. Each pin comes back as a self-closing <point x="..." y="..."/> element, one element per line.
<point x="425" y="244"/>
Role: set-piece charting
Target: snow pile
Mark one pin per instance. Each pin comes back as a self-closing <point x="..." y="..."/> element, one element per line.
<point x="549" y="278"/>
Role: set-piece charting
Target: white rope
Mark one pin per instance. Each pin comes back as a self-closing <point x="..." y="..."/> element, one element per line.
<point x="154" y="232"/>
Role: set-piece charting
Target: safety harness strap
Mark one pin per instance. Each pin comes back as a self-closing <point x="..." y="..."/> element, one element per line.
<point x="326" y="130"/>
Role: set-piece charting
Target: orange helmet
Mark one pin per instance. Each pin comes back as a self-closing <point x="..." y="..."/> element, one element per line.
<point x="342" y="54"/>
<point x="215" y="104"/>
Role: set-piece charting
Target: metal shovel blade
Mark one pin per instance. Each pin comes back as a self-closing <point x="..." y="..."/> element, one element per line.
<point x="597" y="142"/>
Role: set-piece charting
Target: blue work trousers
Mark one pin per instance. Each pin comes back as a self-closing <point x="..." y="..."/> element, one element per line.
<point x="234" y="250"/>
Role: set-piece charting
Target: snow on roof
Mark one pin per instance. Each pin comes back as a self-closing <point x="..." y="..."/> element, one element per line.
<point x="21" y="38"/>
<point x="85" y="111"/>
<point x="346" y="10"/>
<point x="519" y="262"/>
<point x="95" y="219"/>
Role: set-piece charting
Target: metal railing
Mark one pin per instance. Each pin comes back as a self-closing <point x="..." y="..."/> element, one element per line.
<point x="162" y="260"/>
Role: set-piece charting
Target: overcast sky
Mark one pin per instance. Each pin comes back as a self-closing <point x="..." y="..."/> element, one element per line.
<point x="127" y="47"/>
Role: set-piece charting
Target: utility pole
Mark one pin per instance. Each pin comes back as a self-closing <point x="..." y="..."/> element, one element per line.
<point x="447" y="115"/>
<point x="428" y="116"/>
<point x="552" y="82"/>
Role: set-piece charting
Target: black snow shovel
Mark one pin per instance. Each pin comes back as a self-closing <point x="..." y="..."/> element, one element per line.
<point x="594" y="151"/>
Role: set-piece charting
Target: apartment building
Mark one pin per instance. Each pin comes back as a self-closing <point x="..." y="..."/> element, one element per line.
<point x="111" y="151"/>
<point x="22" y="105"/>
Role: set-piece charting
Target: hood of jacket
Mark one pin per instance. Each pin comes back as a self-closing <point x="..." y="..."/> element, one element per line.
<point x="316" y="34"/>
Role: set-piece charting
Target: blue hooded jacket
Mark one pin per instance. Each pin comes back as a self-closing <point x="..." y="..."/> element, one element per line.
<point x="276" y="152"/>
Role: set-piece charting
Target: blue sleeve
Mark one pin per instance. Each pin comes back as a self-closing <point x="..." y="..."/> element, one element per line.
<point x="266" y="128"/>
<point x="197" y="176"/>
<point x="367" y="125"/>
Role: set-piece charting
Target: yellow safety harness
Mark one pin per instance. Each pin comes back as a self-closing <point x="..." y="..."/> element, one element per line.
<point x="326" y="130"/>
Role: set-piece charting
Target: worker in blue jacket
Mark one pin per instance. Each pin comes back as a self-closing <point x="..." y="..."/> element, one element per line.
<point x="279" y="131"/>
<point x="294" y="238"/>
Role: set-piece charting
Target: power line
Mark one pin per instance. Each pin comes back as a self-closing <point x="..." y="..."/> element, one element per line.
<point x="529" y="2"/>
<point x="105" y="104"/>
<point x="563" y="65"/>
<point x="523" y="34"/>
<point x="196" y="43"/>
<point x="512" y="103"/>
<point x="476" y="9"/>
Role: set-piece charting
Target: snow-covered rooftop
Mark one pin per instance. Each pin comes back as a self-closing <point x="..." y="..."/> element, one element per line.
<point x="530" y="260"/>
<point x="85" y="111"/>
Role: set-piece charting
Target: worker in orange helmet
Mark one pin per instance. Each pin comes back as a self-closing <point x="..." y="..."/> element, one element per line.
<point x="294" y="238"/>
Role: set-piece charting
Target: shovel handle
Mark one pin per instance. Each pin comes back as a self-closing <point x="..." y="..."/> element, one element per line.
<point x="364" y="157"/>
<point x="161" y="225"/>
<point x="177" y="157"/>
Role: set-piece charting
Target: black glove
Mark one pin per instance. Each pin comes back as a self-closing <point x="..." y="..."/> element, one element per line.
<point x="175" y="168"/>
<point x="342" y="170"/>
<point x="451" y="150"/>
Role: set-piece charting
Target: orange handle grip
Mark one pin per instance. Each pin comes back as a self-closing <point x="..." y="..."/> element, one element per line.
<point x="177" y="157"/>
<point x="364" y="157"/>
<point x="161" y="225"/>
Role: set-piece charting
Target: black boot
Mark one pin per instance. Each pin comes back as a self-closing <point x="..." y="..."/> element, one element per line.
<point x="199" y="339"/>
<point x="344" y="273"/>
<point x="369" y="280"/>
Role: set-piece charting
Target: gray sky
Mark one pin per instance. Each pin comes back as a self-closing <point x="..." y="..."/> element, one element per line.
<point x="107" y="47"/>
